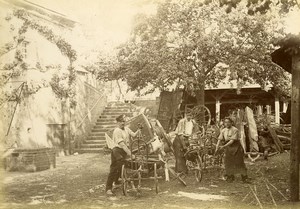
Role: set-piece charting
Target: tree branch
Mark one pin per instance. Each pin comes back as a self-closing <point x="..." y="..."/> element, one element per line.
<point x="211" y="68"/>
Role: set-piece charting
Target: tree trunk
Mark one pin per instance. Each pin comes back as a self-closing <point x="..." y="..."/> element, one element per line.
<point x="200" y="96"/>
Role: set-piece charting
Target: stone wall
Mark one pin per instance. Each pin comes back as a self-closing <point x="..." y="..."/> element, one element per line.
<point x="26" y="120"/>
<point x="30" y="160"/>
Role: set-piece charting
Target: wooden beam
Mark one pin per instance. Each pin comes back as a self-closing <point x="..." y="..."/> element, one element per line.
<point x="277" y="111"/>
<point x="218" y="95"/>
<point x="294" y="156"/>
<point x="234" y="101"/>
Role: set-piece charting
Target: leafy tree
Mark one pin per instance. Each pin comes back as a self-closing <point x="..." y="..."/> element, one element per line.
<point x="257" y="6"/>
<point x="190" y="44"/>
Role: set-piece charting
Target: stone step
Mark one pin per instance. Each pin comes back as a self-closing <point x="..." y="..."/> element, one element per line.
<point x="101" y="130"/>
<point x="96" y="138"/>
<point x="128" y="114"/>
<point x="109" y="116"/>
<point x="118" y="108"/>
<point x="93" y="141"/>
<point x="118" y="104"/>
<point x="98" y="134"/>
<point x="112" y="120"/>
<point x="97" y="126"/>
<point x="89" y="150"/>
<point x="116" y="111"/>
<point x="83" y="146"/>
<point x="105" y="123"/>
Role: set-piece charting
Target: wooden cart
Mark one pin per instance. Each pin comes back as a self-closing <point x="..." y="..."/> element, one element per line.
<point x="143" y="167"/>
<point x="201" y="155"/>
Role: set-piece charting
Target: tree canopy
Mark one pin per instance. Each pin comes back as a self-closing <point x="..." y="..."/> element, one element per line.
<point x="190" y="44"/>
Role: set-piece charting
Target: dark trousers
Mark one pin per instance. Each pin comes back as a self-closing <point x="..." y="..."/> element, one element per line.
<point x="118" y="156"/>
<point x="180" y="145"/>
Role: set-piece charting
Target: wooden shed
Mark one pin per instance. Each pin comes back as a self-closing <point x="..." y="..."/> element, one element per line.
<point x="288" y="57"/>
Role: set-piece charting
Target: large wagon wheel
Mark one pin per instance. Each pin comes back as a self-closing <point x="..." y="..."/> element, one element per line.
<point x="199" y="169"/>
<point x="155" y="178"/>
<point x="124" y="180"/>
<point x="201" y="115"/>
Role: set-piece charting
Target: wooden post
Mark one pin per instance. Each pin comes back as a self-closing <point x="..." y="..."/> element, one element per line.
<point x="277" y="111"/>
<point x="268" y="107"/>
<point x="259" y="110"/>
<point x="285" y="106"/>
<point x="218" y="110"/>
<point x="295" y="101"/>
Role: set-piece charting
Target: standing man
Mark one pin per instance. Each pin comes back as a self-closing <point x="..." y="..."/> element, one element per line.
<point x="183" y="132"/>
<point x="234" y="153"/>
<point x="120" y="150"/>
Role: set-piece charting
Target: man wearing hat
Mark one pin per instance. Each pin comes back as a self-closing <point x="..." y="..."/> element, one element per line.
<point x="121" y="137"/>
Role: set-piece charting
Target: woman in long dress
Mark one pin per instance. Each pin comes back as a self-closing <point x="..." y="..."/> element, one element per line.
<point x="234" y="153"/>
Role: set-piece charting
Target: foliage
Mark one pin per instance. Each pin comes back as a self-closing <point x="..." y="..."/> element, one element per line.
<point x="257" y="6"/>
<point x="291" y="43"/>
<point x="188" y="43"/>
<point x="18" y="66"/>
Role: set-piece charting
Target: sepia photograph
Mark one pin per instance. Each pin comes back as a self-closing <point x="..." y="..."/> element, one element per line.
<point x="159" y="104"/>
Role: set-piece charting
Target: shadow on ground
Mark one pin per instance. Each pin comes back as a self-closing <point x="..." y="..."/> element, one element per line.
<point x="78" y="182"/>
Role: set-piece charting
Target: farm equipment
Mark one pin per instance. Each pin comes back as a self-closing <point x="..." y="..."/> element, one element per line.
<point x="201" y="155"/>
<point x="143" y="167"/>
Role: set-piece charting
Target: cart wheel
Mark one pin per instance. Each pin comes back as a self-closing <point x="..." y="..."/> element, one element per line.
<point x="124" y="180"/>
<point x="199" y="170"/>
<point x="155" y="178"/>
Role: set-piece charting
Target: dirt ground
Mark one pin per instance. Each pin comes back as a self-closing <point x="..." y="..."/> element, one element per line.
<point x="78" y="182"/>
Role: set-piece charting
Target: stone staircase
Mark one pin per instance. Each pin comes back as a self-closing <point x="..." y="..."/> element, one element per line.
<point x="107" y="121"/>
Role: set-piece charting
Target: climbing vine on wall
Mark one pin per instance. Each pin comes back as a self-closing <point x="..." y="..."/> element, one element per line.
<point x="14" y="69"/>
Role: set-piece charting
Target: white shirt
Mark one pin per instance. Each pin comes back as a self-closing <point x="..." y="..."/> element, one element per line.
<point x="120" y="135"/>
<point x="185" y="127"/>
<point x="228" y="134"/>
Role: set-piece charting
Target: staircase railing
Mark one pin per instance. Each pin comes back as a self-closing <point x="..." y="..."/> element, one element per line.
<point x="86" y="129"/>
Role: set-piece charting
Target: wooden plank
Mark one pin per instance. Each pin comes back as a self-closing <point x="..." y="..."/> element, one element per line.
<point x="275" y="138"/>
<point x="253" y="134"/>
<point x="295" y="107"/>
<point x="240" y="127"/>
<point x="234" y="101"/>
<point x="169" y="104"/>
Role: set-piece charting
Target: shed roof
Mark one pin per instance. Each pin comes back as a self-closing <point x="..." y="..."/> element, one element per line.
<point x="289" y="46"/>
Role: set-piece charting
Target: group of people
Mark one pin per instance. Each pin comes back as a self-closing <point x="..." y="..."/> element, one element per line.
<point x="228" y="141"/>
